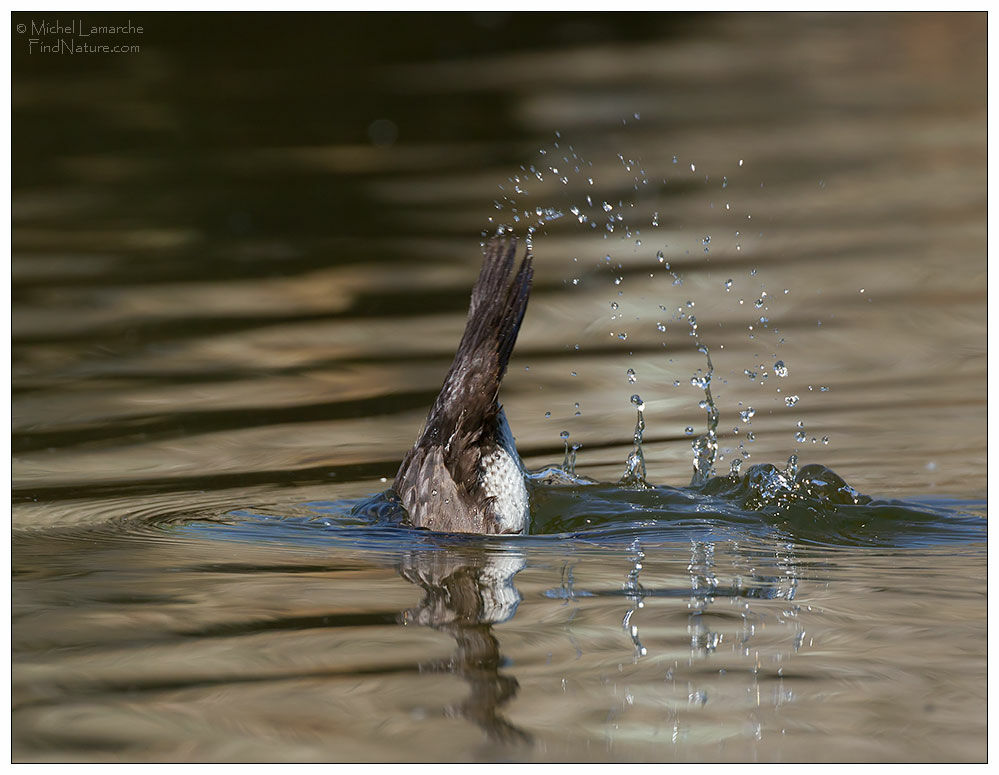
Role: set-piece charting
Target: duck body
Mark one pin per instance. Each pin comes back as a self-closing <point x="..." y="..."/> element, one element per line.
<point x="464" y="474"/>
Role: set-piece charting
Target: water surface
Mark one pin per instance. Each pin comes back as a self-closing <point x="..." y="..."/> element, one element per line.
<point x="241" y="262"/>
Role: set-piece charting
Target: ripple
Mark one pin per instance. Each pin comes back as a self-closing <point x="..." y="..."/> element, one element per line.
<point x="813" y="507"/>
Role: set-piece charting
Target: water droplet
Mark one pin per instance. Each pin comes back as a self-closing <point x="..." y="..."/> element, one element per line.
<point x="661" y="326"/>
<point x="692" y="167"/>
<point x="791" y="400"/>
<point x="688" y="430"/>
<point x="614" y="305"/>
<point x="800" y="436"/>
<point x="747" y="414"/>
<point x="564" y="435"/>
<point x="780" y="369"/>
<point x="618" y="280"/>
<point x="632" y="378"/>
<point x="637" y="401"/>
<point x="728" y="284"/>
<point x="825" y="439"/>
<point x="547" y="415"/>
<point x="607" y="207"/>
<point x="622" y="336"/>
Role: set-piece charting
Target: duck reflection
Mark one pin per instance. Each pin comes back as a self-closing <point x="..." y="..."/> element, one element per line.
<point x="465" y="595"/>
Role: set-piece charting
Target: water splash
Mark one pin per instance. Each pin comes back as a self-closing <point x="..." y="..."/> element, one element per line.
<point x="705" y="446"/>
<point x="569" y="462"/>
<point x="703" y="586"/>
<point x="791" y="470"/>
<point x="769" y="490"/>
<point x="532" y="200"/>
<point x="634" y="592"/>
<point x="635" y="472"/>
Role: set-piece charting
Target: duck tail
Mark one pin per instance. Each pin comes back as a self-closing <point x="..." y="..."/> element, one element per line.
<point x="467" y="406"/>
<point x="497" y="307"/>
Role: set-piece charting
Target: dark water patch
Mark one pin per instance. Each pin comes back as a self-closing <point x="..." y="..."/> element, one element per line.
<point x="138" y="333"/>
<point x="131" y="686"/>
<point x="103" y="744"/>
<point x="141" y="599"/>
<point x="208" y="482"/>
<point x="190" y="423"/>
<point x="295" y="623"/>
<point x="245" y="568"/>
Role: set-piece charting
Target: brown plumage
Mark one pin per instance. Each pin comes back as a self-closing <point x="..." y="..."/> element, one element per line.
<point x="444" y="479"/>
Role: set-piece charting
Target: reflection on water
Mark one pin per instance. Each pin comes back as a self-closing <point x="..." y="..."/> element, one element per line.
<point x="465" y="597"/>
<point x="222" y="640"/>
<point x="241" y="261"/>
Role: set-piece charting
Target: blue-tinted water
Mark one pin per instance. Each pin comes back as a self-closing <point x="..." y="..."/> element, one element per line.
<point x="760" y="504"/>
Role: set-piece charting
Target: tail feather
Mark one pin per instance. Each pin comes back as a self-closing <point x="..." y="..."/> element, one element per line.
<point x="495" y="313"/>
<point x="497" y="262"/>
<point x="513" y="315"/>
<point x="496" y="310"/>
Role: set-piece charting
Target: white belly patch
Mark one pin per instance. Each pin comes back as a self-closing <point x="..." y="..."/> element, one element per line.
<point x="503" y="479"/>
